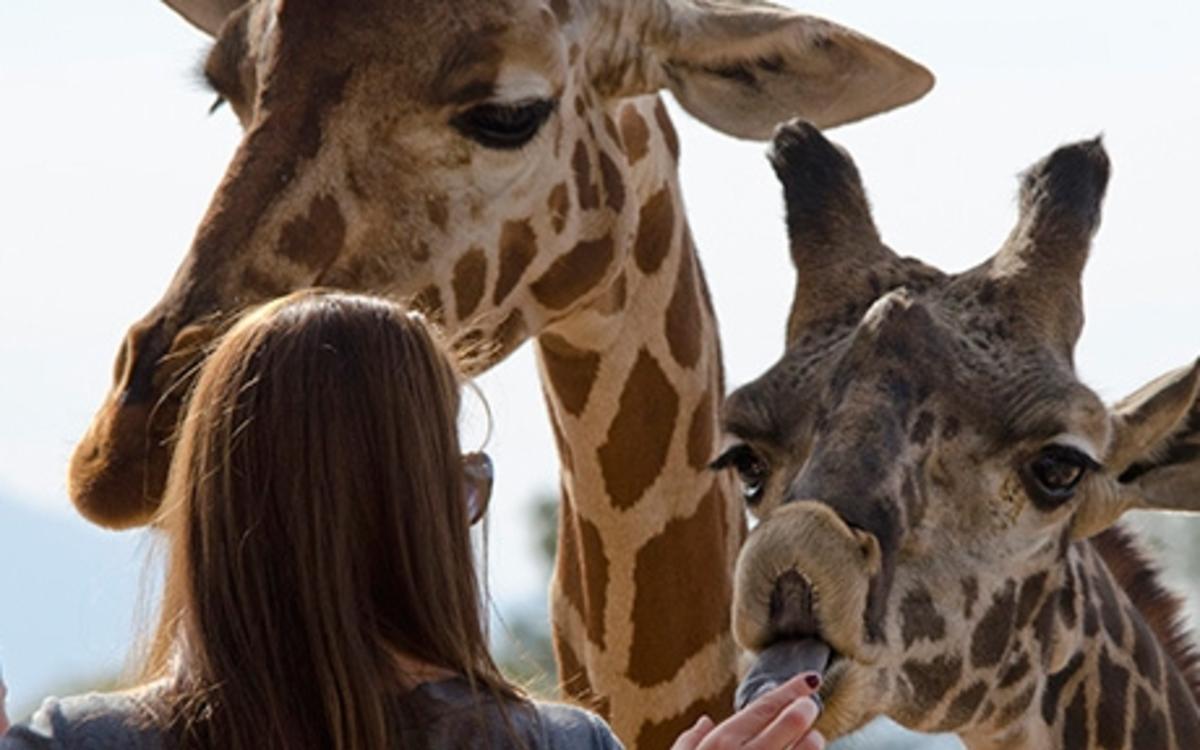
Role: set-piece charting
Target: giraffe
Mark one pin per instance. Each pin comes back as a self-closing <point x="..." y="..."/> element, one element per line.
<point x="508" y="168"/>
<point x="938" y="494"/>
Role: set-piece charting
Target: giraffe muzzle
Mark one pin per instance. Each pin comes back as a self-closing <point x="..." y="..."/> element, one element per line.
<point x="805" y="574"/>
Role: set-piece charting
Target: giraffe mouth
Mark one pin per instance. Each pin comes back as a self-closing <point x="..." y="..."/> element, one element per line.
<point x="780" y="662"/>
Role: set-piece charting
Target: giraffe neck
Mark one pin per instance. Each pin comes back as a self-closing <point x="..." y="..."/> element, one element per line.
<point x="1114" y="682"/>
<point x="647" y="534"/>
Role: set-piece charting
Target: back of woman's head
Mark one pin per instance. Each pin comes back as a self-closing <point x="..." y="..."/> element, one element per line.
<point x="317" y="525"/>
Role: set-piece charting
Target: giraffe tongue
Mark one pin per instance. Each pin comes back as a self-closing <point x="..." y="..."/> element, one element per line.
<point x="779" y="663"/>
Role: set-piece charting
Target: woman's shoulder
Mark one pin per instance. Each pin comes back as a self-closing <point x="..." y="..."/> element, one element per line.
<point x="536" y="725"/>
<point x="573" y="727"/>
<point x="93" y="720"/>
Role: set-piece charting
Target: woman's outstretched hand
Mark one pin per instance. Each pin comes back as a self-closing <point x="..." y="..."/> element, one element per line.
<point x="779" y="720"/>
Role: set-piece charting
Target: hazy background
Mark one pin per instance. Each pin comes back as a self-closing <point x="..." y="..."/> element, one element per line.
<point x="108" y="159"/>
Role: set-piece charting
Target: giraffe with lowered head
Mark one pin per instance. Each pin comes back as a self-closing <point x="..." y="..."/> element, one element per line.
<point x="939" y="493"/>
<point x="508" y="168"/>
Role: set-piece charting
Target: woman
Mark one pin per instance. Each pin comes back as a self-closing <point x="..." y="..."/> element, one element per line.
<point x="320" y="588"/>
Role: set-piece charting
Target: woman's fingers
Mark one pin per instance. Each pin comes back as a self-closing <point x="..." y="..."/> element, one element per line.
<point x="691" y="739"/>
<point x="790" y="726"/>
<point x="779" y="720"/>
<point x="746" y="725"/>
<point x="814" y="740"/>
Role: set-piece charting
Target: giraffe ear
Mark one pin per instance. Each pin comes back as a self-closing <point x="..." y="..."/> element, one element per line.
<point x="1156" y="443"/>
<point x="745" y="67"/>
<point x="206" y="15"/>
<point x="1154" y="457"/>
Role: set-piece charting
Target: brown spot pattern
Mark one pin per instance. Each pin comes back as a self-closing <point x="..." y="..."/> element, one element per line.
<point x="664" y="733"/>
<point x="570" y="370"/>
<point x="700" y="446"/>
<point x="1076" y="734"/>
<point x="670" y="137"/>
<point x="931" y="680"/>
<point x="470" y="275"/>
<point x="1031" y="593"/>
<point x="1110" y="609"/>
<point x="429" y="302"/>
<point x="610" y="128"/>
<point x="962" y="709"/>
<point x="1043" y="628"/>
<point x="684" y="328"/>
<point x="1055" y="684"/>
<point x="920" y="619"/>
<point x="559" y="204"/>
<point x="683" y="563"/>
<point x="1017" y="708"/>
<point x="991" y="636"/>
<point x="567" y="560"/>
<point x="438" y="210"/>
<point x="1110" y="711"/>
<point x="314" y="239"/>
<point x="575" y="273"/>
<point x="635" y="134"/>
<point x="1150" y="729"/>
<point x="1015" y="671"/>
<point x="1091" y="618"/>
<point x="518" y="246"/>
<point x="640" y="434"/>
<point x="595" y="580"/>
<point x="614" y="184"/>
<point x="656" y="226"/>
<point x="511" y="332"/>
<point x="581" y="162"/>
<point x="970" y="588"/>
<point x="1145" y="651"/>
<point x="1066" y="600"/>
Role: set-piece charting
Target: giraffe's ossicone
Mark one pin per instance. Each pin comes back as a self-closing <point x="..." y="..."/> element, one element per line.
<point x="938" y="492"/>
<point x="507" y="167"/>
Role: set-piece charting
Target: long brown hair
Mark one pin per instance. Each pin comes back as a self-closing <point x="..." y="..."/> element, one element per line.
<point x="316" y="526"/>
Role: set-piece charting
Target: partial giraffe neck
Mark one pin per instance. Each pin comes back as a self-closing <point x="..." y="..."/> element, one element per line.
<point x="647" y="534"/>
<point x="1129" y="681"/>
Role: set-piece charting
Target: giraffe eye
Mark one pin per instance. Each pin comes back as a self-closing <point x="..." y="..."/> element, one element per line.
<point x="1058" y="470"/>
<point x="504" y="126"/>
<point x="752" y="470"/>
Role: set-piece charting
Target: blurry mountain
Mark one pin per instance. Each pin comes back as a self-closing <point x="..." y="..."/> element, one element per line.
<point x="69" y="593"/>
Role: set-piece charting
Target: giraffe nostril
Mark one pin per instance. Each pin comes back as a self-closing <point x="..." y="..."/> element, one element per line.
<point x="144" y="346"/>
<point x="792" y="612"/>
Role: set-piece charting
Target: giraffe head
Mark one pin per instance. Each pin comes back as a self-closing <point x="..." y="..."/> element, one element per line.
<point x="486" y="160"/>
<point x="923" y="455"/>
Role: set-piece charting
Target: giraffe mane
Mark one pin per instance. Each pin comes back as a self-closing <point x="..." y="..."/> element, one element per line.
<point x="1141" y="579"/>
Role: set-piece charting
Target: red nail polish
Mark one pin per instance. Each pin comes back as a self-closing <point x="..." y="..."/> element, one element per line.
<point x="813" y="681"/>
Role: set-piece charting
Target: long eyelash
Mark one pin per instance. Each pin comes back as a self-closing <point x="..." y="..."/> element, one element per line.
<point x="217" y="104"/>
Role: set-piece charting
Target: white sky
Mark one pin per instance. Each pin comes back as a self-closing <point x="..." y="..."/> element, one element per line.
<point x="108" y="160"/>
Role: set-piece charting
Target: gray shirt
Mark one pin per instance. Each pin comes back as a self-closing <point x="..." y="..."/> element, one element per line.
<point x="450" y="717"/>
